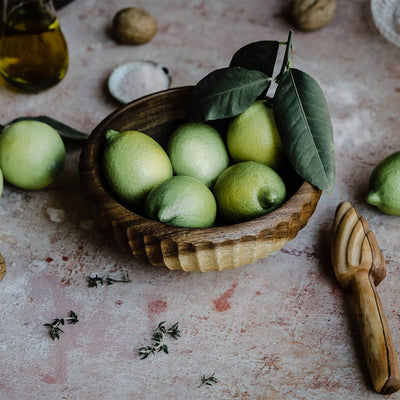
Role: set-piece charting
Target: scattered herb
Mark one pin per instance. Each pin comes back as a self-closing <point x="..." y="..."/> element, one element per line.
<point x="159" y="340"/>
<point x="54" y="327"/>
<point x="299" y="106"/>
<point x="209" y="381"/>
<point x="108" y="280"/>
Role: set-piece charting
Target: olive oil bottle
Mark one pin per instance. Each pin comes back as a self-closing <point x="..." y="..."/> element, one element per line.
<point x="33" y="50"/>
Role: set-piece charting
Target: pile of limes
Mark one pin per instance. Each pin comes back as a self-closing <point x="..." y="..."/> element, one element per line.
<point x="200" y="175"/>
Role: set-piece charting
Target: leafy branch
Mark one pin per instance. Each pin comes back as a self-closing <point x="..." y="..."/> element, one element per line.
<point x="227" y="92"/>
<point x="54" y="327"/>
<point x="299" y="106"/>
<point x="108" y="280"/>
<point x="159" y="340"/>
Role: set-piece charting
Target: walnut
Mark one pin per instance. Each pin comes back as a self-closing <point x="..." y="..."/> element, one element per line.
<point x="134" y="25"/>
<point x="310" y="15"/>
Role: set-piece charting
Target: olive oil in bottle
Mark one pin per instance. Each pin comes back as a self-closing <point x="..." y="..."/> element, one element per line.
<point x="33" y="50"/>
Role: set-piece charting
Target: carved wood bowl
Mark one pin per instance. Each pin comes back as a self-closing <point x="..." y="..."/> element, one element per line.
<point x="187" y="249"/>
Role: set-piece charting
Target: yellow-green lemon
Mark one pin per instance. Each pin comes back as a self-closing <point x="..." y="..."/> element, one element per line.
<point x="133" y="164"/>
<point x="32" y="154"/>
<point x="182" y="201"/>
<point x="384" y="185"/>
<point x="253" y="136"/>
<point x="197" y="150"/>
<point x="247" y="190"/>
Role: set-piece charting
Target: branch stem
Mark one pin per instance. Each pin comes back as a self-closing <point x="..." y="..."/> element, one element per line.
<point x="286" y="59"/>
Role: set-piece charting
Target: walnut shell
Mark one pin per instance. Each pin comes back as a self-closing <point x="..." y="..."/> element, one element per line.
<point x="310" y="15"/>
<point x="134" y="25"/>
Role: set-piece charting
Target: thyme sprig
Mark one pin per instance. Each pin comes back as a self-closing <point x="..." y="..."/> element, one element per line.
<point x="108" y="280"/>
<point x="209" y="381"/>
<point x="159" y="340"/>
<point x="54" y="327"/>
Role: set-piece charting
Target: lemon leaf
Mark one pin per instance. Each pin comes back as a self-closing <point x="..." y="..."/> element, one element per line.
<point x="259" y="56"/>
<point x="63" y="129"/>
<point x="304" y="124"/>
<point x="225" y="93"/>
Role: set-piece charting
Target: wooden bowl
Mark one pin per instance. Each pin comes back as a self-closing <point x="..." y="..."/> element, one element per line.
<point x="188" y="249"/>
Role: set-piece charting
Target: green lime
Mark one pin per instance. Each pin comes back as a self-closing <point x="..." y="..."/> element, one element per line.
<point x="32" y="154"/>
<point x="182" y="201"/>
<point x="133" y="164"/>
<point x="253" y="136"/>
<point x="248" y="190"/>
<point x="384" y="185"/>
<point x="197" y="150"/>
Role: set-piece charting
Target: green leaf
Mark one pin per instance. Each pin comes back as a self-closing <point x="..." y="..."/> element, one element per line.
<point x="304" y="124"/>
<point x="259" y="56"/>
<point x="64" y="130"/>
<point x="226" y="93"/>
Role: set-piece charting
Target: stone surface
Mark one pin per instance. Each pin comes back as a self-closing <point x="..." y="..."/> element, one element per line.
<point x="279" y="329"/>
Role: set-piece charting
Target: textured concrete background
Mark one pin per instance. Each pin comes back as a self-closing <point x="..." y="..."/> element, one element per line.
<point x="278" y="329"/>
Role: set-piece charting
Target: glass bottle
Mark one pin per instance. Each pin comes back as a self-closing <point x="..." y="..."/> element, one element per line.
<point x="33" y="50"/>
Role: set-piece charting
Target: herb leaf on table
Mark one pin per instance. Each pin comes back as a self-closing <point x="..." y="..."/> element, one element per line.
<point x="159" y="340"/>
<point x="209" y="381"/>
<point x="54" y="327"/>
<point x="64" y="130"/>
<point x="109" y="280"/>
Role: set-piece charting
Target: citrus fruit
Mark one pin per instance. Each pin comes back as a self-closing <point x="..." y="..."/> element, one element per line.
<point x="197" y="150"/>
<point x="253" y="136"/>
<point x="384" y="185"/>
<point x="32" y="154"/>
<point x="182" y="201"/>
<point x="247" y="190"/>
<point x="134" y="163"/>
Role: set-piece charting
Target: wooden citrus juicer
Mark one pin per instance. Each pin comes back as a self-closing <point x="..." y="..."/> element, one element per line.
<point x="359" y="266"/>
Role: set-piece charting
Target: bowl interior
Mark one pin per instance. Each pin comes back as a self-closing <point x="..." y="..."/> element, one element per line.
<point x="158" y="115"/>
